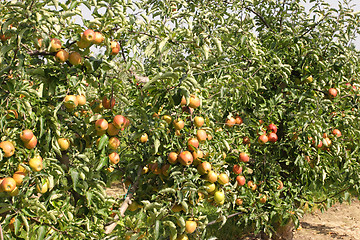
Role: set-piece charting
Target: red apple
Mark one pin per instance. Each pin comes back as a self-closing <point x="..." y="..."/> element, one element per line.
<point x="263" y="139"/>
<point x="204" y="168"/>
<point x="336" y="132"/>
<point x="332" y="92"/>
<point x="101" y="125"/>
<point x="237" y="169"/>
<point x="26" y="135"/>
<point x="272" y="127"/>
<point x="244" y="157"/>
<point x="75" y="58"/>
<point x="186" y="158"/>
<point x="172" y="157"/>
<point x="240" y="180"/>
<point x="272" y="137"/>
<point x="193" y="144"/>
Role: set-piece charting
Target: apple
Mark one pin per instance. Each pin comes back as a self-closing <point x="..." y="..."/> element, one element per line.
<point x="309" y="79"/>
<point x="12" y="114"/>
<point x="179" y="124"/>
<point x="237" y="169"/>
<point x="165" y="170"/>
<point x="144" y="138"/>
<point x="108" y="103"/>
<point x="55" y="45"/>
<point x="183" y="101"/>
<point x="26" y="135"/>
<point x="263" y="139"/>
<point x="101" y="125"/>
<point x="230" y="122"/>
<point x="64" y="143"/>
<point x="238" y="201"/>
<point x="177" y="208"/>
<point x="272" y="137"/>
<point x="43" y="187"/>
<point x="114" y="143"/>
<point x="112" y="130"/>
<point x="263" y="198"/>
<point x="272" y="127"/>
<point x="281" y="185"/>
<point x="199" y="121"/>
<point x="223" y="179"/>
<point x="332" y="92"/>
<point x="119" y="121"/>
<point x="114" y="158"/>
<point x="204" y="168"/>
<point x="172" y="157"/>
<point x="327" y="142"/>
<point x="244" y="157"/>
<point x="19" y="177"/>
<point x="20" y="168"/>
<point x="336" y="132"/>
<point x="98" y="38"/>
<point x="212" y="177"/>
<point x="32" y="143"/>
<point x="238" y="120"/>
<point x="201" y="135"/>
<point x="36" y="163"/>
<point x="190" y="226"/>
<point x="8" y="184"/>
<point x="83" y="44"/>
<point x="219" y="197"/>
<point x="186" y="158"/>
<point x="252" y="185"/>
<point x="167" y="118"/>
<point x="197" y="155"/>
<point x="145" y="170"/>
<point x="192" y="144"/>
<point x="115" y="48"/>
<point x="81" y="99"/>
<point x="240" y="180"/>
<point x="4" y="37"/>
<point x="246" y="140"/>
<point x="194" y="102"/>
<point x="62" y="56"/>
<point x="75" y="58"/>
<point x="210" y="187"/>
<point x="70" y="102"/>
<point x="8" y="148"/>
<point x="88" y="35"/>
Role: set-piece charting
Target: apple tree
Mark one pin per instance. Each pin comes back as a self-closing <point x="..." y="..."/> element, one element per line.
<point x="246" y="108"/>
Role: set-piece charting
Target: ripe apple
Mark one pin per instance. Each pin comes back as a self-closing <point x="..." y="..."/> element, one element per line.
<point x="114" y="143"/>
<point x="281" y="185"/>
<point x="332" y="92"/>
<point x="194" y="102"/>
<point x="70" y="102"/>
<point x="8" y="184"/>
<point x="210" y="187"/>
<point x="36" y="163"/>
<point x="26" y="135"/>
<point x="230" y="122"/>
<point x="101" y="125"/>
<point x="263" y="198"/>
<point x="204" y="168"/>
<point x="119" y="121"/>
<point x="165" y="170"/>
<point x="88" y="35"/>
<point x="145" y="170"/>
<point x="8" y="148"/>
<point x="81" y="99"/>
<point x="272" y="127"/>
<point x="75" y="58"/>
<point x="238" y="201"/>
<point x="237" y="169"/>
<point x="64" y="143"/>
<point x="186" y="158"/>
<point x="114" y="158"/>
<point x="201" y="135"/>
<point x="32" y="143"/>
<point x="199" y="121"/>
<point x="43" y="187"/>
<point x="183" y="101"/>
<point x="144" y="138"/>
<point x="238" y="120"/>
<point x="263" y="139"/>
<point x="223" y="179"/>
<point x="197" y="155"/>
<point x="190" y="226"/>
<point x="55" y="45"/>
<point x="19" y="177"/>
<point x="212" y="177"/>
<point x="62" y="55"/>
<point x="272" y="137"/>
<point x="98" y="38"/>
<point x="83" y="44"/>
<point x="108" y="103"/>
<point x="179" y="124"/>
<point x="172" y="157"/>
<point x="252" y="185"/>
<point x="327" y="142"/>
<point x="115" y="48"/>
<point x="219" y="197"/>
<point x="112" y="130"/>
<point x="192" y="144"/>
<point x="244" y="157"/>
<point x="167" y="118"/>
<point x="336" y="132"/>
<point x="240" y="180"/>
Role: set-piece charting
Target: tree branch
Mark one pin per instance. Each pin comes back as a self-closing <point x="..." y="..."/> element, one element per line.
<point x="230" y="216"/>
<point x="262" y="19"/>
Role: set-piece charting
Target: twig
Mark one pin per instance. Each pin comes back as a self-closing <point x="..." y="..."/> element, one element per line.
<point x="51" y="226"/>
<point x="1" y="233"/>
<point x="125" y="205"/>
<point x="261" y="18"/>
<point x="230" y="216"/>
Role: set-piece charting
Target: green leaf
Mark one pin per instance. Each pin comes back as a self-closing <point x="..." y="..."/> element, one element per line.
<point x="74" y="177"/>
<point x="41" y="232"/>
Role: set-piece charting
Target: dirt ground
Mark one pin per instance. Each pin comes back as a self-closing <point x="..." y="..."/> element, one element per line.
<point x="339" y="222"/>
